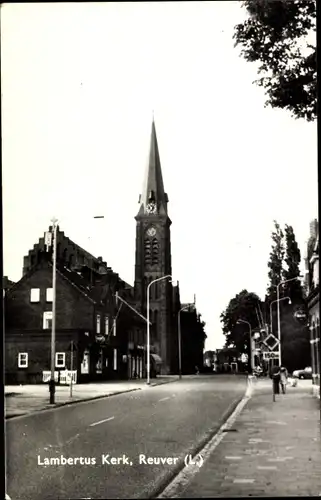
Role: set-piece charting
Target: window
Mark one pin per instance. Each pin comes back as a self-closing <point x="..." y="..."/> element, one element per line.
<point x="114" y="327"/>
<point x="23" y="360"/>
<point x="98" y="323"/>
<point x="35" y="295"/>
<point x="47" y="320"/>
<point x="106" y="325"/>
<point x="115" y="359"/>
<point x="60" y="359"/>
<point x="155" y="251"/>
<point x="99" y="363"/>
<point x="49" y="295"/>
<point x="147" y="248"/>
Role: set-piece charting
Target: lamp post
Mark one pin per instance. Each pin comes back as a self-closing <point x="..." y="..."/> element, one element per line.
<point x="53" y="321"/>
<point x="148" y="325"/>
<point x="278" y="301"/>
<point x="179" y="337"/>
<point x="251" y="353"/>
<point x="273" y="302"/>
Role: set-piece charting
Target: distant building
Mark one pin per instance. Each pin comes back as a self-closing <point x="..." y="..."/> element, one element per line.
<point x="193" y="340"/>
<point x="313" y="301"/>
<point x="227" y="358"/>
<point x="209" y="359"/>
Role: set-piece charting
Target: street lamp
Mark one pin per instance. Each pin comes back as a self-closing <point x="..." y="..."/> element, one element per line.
<point x="148" y="329"/>
<point x="53" y="321"/>
<point x="278" y="301"/>
<point x="251" y="353"/>
<point x="179" y="337"/>
<point x="273" y="302"/>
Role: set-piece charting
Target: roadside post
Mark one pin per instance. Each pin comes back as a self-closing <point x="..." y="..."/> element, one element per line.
<point x="71" y="365"/>
<point x="271" y="356"/>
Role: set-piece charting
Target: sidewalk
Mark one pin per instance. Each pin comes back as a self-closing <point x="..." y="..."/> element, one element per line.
<point x="24" y="399"/>
<point x="272" y="449"/>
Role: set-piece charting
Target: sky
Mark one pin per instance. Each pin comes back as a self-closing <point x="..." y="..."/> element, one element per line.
<point x="80" y="85"/>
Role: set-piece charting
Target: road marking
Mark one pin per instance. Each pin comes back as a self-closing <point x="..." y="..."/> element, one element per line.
<point x="72" y="439"/>
<point x="163" y="399"/>
<point x="233" y="458"/>
<point x="180" y="482"/>
<point x="266" y="467"/>
<point x="101" y="421"/>
<point x="279" y="459"/>
<point x="243" y="481"/>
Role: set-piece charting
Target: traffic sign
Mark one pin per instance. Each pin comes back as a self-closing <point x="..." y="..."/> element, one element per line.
<point x="270" y="355"/>
<point x="271" y="342"/>
<point x="300" y="315"/>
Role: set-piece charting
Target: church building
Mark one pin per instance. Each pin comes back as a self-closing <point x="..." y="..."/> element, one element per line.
<point x="153" y="261"/>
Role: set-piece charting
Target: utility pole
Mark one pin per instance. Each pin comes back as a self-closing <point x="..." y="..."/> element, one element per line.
<point x="71" y="365"/>
<point x="53" y="324"/>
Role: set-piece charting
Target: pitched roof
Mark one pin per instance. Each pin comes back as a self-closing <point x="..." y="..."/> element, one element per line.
<point x="153" y="186"/>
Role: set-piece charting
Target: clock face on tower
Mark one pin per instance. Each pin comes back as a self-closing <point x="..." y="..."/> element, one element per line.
<point x="151" y="231"/>
<point x="151" y="208"/>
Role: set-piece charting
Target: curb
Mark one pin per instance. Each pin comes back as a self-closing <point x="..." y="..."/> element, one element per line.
<point x="65" y="403"/>
<point x="194" y="450"/>
<point x="72" y="402"/>
<point x="164" y="382"/>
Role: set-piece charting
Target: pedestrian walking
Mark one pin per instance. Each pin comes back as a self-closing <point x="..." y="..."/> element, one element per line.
<point x="275" y="376"/>
<point x="283" y="378"/>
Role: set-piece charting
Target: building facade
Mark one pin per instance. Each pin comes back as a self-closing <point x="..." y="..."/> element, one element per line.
<point x="97" y="336"/>
<point x="313" y="302"/>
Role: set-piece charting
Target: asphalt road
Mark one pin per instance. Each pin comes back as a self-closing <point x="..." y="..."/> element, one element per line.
<point x="164" y="421"/>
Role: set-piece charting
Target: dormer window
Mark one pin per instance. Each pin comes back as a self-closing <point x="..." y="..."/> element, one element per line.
<point x="151" y="196"/>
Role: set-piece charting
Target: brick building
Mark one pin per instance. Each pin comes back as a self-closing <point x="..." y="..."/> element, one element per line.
<point x="313" y="301"/>
<point x="85" y="312"/>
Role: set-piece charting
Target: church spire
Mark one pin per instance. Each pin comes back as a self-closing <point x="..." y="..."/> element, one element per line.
<point x="153" y="187"/>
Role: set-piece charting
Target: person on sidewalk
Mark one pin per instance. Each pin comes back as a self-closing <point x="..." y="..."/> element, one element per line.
<point x="275" y="376"/>
<point x="283" y="378"/>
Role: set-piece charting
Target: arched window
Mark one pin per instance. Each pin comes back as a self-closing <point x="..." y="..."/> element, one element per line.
<point x="155" y="251"/>
<point x="148" y="251"/>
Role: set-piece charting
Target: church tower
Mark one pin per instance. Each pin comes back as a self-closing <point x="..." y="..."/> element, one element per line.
<point x="153" y="256"/>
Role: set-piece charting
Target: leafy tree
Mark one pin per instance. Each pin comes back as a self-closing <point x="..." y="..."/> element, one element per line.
<point x="276" y="260"/>
<point x="275" y="36"/>
<point x="295" y="340"/>
<point x="293" y="289"/>
<point x="242" y="306"/>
